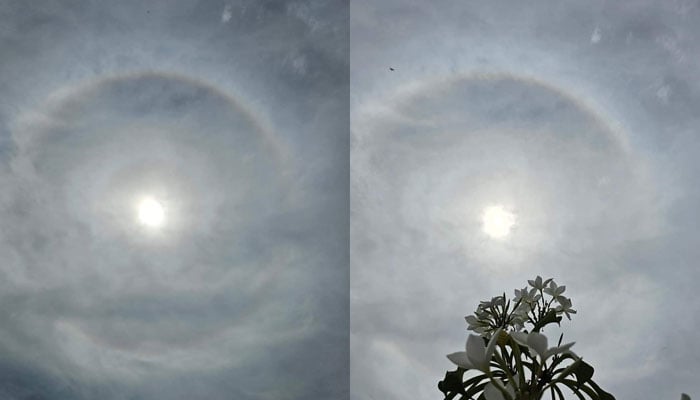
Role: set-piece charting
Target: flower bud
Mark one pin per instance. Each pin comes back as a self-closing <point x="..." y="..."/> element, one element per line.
<point x="502" y="338"/>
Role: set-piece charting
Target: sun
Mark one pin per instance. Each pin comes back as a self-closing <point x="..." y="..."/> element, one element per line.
<point x="151" y="213"/>
<point x="497" y="221"/>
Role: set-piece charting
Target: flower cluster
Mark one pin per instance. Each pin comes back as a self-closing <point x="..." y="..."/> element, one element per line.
<point x="509" y="359"/>
<point x="529" y="306"/>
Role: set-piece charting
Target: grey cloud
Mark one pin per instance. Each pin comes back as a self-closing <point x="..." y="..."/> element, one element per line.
<point x="240" y="130"/>
<point x="510" y="103"/>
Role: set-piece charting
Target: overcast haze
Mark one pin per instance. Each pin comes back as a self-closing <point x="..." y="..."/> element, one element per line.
<point x="579" y="117"/>
<point x="234" y="117"/>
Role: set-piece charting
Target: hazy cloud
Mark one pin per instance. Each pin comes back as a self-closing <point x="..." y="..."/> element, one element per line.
<point x="242" y="293"/>
<point x="226" y="14"/>
<point x="592" y="148"/>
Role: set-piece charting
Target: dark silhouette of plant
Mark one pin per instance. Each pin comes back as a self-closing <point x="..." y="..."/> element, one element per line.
<point x="510" y="359"/>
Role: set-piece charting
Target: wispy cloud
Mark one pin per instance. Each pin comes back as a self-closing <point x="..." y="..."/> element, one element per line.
<point x="226" y="14"/>
<point x="504" y="104"/>
<point x="108" y="103"/>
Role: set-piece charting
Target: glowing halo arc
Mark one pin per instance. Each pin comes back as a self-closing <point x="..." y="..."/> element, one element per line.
<point x="414" y="88"/>
<point x="262" y="127"/>
<point x="384" y="105"/>
<point x="281" y="162"/>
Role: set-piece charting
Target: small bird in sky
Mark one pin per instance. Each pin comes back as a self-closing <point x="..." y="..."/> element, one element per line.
<point x="391" y="69"/>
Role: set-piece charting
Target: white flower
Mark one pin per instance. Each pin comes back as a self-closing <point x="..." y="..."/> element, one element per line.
<point x="554" y="290"/>
<point x="523" y="309"/>
<point x="538" y="342"/>
<point x="537" y="283"/>
<point x="491" y="392"/>
<point x="565" y="306"/>
<point x="527" y="296"/>
<point x="495" y="301"/>
<point x="520" y="315"/>
<point x="518" y="324"/>
<point x="499" y="301"/>
<point x="481" y="313"/>
<point x="474" y="324"/>
<point x="478" y="356"/>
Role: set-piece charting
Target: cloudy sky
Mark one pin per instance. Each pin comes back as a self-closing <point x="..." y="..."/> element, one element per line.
<point x="230" y="116"/>
<point x="580" y="118"/>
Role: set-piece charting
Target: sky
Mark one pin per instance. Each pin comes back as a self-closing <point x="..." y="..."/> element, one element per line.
<point x="579" y="118"/>
<point x="233" y="117"/>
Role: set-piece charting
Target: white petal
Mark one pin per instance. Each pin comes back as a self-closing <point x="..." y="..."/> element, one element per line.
<point x="476" y="350"/>
<point x="515" y="382"/>
<point x="491" y="392"/>
<point x="510" y="391"/>
<point x="567" y="346"/>
<point x="460" y="358"/>
<point x="519" y="337"/>
<point x="556" y="350"/>
<point x="481" y="359"/>
<point x="492" y="343"/>
<point x="537" y="342"/>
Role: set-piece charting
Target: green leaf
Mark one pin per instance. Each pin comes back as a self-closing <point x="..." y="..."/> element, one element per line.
<point x="549" y="318"/>
<point x="561" y="395"/>
<point x="561" y="358"/>
<point x="575" y="389"/>
<point x="571" y="384"/>
<point x="452" y="385"/>
<point x="452" y="382"/>
<point x="474" y="390"/>
<point x="583" y="372"/>
<point x="685" y="396"/>
<point x="602" y="394"/>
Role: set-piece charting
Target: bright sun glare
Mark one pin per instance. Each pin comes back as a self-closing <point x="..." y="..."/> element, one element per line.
<point x="151" y="213"/>
<point x="497" y="221"/>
